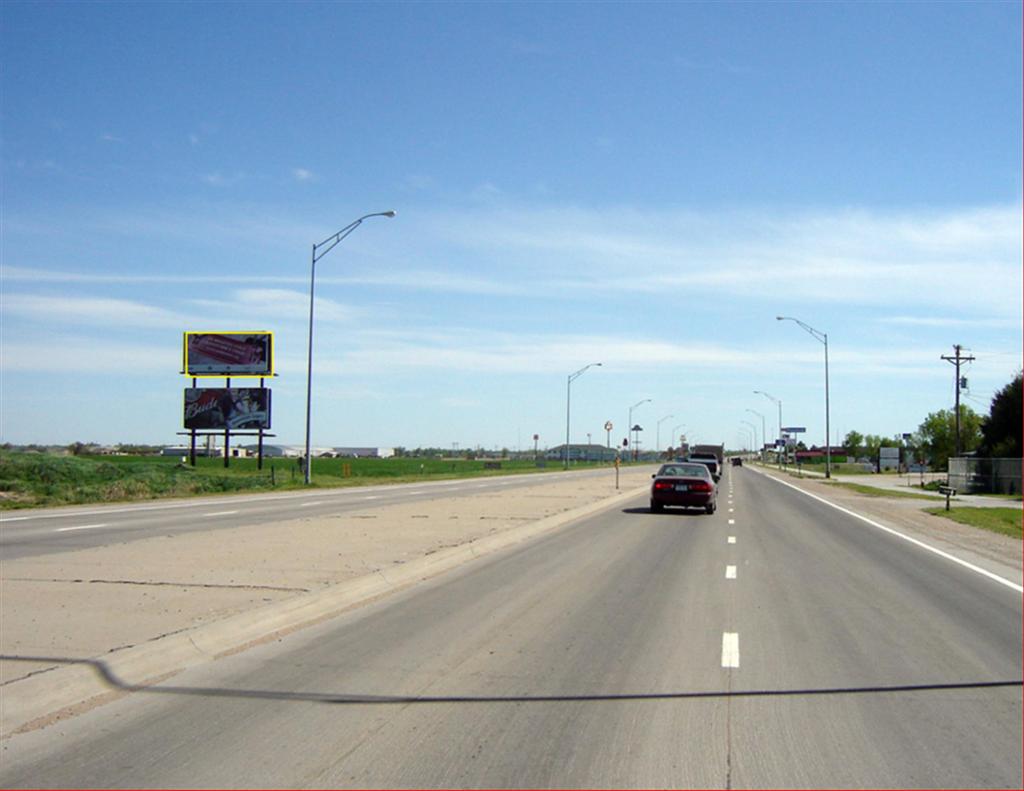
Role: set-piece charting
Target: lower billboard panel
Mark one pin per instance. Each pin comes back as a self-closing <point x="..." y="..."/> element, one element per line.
<point x="227" y="408"/>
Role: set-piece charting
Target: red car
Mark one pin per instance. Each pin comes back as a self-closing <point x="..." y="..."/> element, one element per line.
<point x="684" y="484"/>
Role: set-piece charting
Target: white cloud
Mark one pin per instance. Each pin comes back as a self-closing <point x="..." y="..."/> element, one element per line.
<point x="95" y="311"/>
<point x="75" y="354"/>
<point x="301" y="174"/>
<point x="274" y="305"/>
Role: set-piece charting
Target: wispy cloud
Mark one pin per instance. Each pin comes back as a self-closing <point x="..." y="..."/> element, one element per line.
<point x="947" y="321"/>
<point x="219" y="179"/>
<point x="301" y="174"/>
<point x="264" y="305"/>
<point x="93" y="311"/>
<point x="109" y="138"/>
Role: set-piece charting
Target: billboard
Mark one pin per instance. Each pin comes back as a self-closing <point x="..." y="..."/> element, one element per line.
<point x="227" y="408"/>
<point x="229" y="353"/>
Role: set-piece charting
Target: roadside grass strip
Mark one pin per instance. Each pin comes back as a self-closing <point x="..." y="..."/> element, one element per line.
<point x="874" y="491"/>
<point x="914" y="541"/>
<point x="997" y="520"/>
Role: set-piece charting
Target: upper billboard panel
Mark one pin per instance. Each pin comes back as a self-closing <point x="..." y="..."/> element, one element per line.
<point x="229" y="353"/>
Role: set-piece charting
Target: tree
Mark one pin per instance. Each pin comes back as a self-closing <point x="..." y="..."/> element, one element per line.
<point x="936" y="436"/>
<point x="853" y="442"/>
<point x="1001" y="434"/>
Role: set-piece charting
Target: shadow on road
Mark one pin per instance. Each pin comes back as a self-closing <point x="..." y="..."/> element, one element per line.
<point x="115" y="683"/>
<point x="669" y="510"/>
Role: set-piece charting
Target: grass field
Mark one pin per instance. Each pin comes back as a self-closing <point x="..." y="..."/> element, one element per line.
<point x="34" y="479"/>
<point x="999" y="520"/>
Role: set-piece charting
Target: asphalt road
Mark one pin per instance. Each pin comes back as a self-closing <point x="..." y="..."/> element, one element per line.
<point x="782" y="643"/>
<point x="27" y="533"/>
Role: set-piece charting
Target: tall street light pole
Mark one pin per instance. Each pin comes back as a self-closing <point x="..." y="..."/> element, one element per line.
<point x="821" y="337"/>
<point x="753" y="429"/>
<point x="629" y="424"/>
<point x="764" y="437"/>
<point x="319" y="251"/>
<point x="777" y="436"/>
<point x="657" y="441"/>
<point x="568" y="385"/>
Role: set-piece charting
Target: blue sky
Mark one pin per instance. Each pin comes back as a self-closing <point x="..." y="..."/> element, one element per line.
<point x="644" y="185"/>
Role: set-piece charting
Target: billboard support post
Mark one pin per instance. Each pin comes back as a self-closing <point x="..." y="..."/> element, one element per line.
<point x="259" y="456"/>
<point x="192" y="450"/>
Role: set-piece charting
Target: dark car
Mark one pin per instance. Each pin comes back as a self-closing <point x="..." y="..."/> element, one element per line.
<point x="737" y="461"/>
<point x="684" y="484"/>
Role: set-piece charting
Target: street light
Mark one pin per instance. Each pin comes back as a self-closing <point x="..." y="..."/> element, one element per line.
<point x="319" y="251"/>
<point x="674" y="435"/>
<point x="568" y="385"/>
<point x="764" y="437"/>
<point x="821" y="337"/>
<point x="657" y="441"/>
<point x="629" y="423"/>
<point x="753" y="428"/>
<point x="777" y="401"/>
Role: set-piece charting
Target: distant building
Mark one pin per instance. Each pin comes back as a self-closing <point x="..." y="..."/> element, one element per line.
<point x="581" y="453"/>
<point x="364" y="453"/>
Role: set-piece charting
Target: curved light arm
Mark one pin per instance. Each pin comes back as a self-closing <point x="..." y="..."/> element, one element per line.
<point x="818" y="335"/>
<point x="579" y="373"/>
<point x="766" y="395"/>
<point x="638" y="403"/>
<point x="332" y="240"/>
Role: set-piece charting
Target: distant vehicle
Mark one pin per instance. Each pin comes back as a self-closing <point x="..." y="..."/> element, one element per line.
<point x="683" y="484"/>
<point x="737" y="461"/>
<point x="708" y="460"/>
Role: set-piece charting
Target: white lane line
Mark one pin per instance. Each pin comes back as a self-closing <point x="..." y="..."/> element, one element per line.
<point x="221" y="513"/>
<point x="307" y="505"/>
<point x="914" y="541"/>
<point x="730" y="572"/>
<point x="414" y="492"/>
<point x="731" y="510"/>
<point x="372" y="497"/>
<point x="730" y="649"/>
<point x="731" y="539"/>
<point x="4" y="519"/>
<point x="732" y="521"/>
<point x="80" y="527"/>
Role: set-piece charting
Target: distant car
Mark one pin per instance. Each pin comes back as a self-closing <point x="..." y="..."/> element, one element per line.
<point x="685" y="484"/>
<point x="709" y="460"/>
<point x="737" y="461"/>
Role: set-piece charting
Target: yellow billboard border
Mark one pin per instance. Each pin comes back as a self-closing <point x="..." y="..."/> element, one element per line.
<point x="184" y="354"/>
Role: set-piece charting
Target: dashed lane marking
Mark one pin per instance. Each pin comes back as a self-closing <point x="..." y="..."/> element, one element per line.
<point x="732" y="521"/>
<point x="730" y="572"/>
<point x="730" y="649"/>
<point x="221" y="513"/>
<point x="79" y="527"/>
<point x="731" y="539"/>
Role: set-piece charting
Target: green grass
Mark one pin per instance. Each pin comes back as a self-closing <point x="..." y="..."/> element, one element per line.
<point x="35" y="479"/>
<point x="999" y="520"/>
<point x="874" y="491"/>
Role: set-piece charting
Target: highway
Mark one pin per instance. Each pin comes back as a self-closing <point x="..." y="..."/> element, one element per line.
<point x="777" y="643"/>
<point x="43" y="531"/>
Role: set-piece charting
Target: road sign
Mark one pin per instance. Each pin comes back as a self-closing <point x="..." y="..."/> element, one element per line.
<point x="608" y="425"/>
<point x="794" y="429"/>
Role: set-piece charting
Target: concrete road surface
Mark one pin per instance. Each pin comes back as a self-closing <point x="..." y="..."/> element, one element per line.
<point x="778" y="643"/>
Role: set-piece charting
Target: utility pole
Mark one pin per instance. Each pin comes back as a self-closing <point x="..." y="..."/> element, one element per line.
<point x="956" y="359"/>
